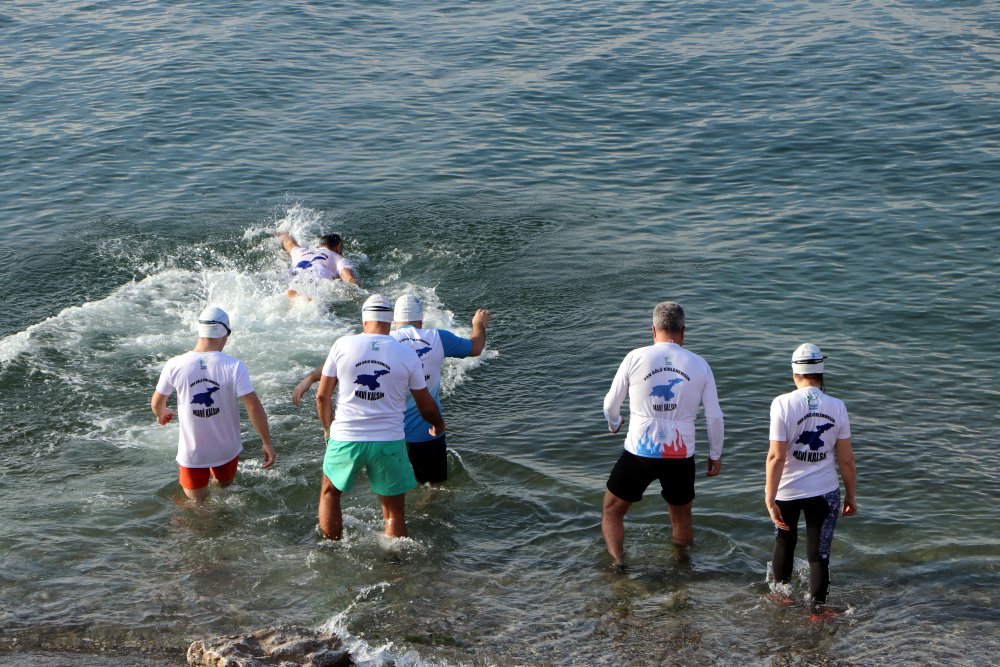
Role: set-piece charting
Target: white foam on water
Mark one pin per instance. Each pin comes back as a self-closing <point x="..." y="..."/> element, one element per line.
<point x="124" y="433"/>
<point x="141" y="324"/>
<point x="363" y="653"/>
<point x="130" y="333"/>
<point x="305" y="225"/>
<point x="15" y="345"/>
<point x="454" y="372"/>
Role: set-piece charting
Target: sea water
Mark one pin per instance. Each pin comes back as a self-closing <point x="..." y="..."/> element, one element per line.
<point x="788" y="171"/>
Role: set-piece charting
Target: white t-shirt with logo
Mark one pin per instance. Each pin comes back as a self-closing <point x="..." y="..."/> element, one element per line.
<point x="432" y="346"/>
<point x="665" y="385"/>
<point x="319" y="262"/>
<point x="375" y="374"/>
<point x="810" y="422"/>
<point x="207" y="386"/>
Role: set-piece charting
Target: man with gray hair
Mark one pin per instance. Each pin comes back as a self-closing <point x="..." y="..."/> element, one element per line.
<point x="665" y="385"/>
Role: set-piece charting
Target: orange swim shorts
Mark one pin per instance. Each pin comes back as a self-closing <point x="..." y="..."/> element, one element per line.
<point x="197" y="478"/>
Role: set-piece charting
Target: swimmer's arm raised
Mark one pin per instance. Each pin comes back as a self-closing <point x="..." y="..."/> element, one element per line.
<point x="479" y="323"/>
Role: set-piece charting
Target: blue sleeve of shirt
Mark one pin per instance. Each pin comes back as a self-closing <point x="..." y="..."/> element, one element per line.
<point x="455" y="346"/>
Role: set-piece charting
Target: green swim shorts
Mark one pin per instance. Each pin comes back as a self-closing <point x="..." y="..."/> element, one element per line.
<point x="386" y="461"/>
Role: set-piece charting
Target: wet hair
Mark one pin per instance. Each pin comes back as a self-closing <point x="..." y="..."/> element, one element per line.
<point x="668" y="316"/>
<point x="331" y="241"/>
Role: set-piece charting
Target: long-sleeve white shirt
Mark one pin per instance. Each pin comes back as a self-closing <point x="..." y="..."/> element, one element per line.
<point x="665" y="385"/>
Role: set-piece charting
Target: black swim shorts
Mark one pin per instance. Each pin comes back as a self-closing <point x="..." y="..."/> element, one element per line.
<point x="632" y="474"/>
<point x="429" y="460"/>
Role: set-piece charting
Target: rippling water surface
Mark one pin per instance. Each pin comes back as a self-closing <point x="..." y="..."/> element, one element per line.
<point x="788" y="171"/>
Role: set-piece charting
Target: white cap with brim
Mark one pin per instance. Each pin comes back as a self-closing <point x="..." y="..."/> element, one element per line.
<point x="376" y="309"/>
<point x="807" y="359"/>
<point x="408" y="309"/>
<point x="213" y="323"/>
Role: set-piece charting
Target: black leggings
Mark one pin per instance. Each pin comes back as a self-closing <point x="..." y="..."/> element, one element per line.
<point x="821" y="520"/>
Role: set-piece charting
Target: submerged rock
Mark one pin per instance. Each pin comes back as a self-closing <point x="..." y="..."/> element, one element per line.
<point x="282" y="646"/>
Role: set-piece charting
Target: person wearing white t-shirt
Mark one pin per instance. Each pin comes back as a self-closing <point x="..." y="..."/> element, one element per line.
<point x="809" y="431"/>
<point x="427" y="454"/>
<point x="324" y="262"/>
<point x="371" y="374"/>
<point x="208" y="382"/>
<point x="665" y="385"/>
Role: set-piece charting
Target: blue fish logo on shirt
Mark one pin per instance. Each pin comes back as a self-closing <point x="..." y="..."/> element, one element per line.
<point x="307" y="263"/>
<point x="814" y="438"/>
<point x="370" y="380"/>
<point x="205" y="397"/>
<point x="666" y="391"/>
<point x="424" y="350"/>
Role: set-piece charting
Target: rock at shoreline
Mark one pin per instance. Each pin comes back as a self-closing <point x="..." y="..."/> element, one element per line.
<point x="282" y="646"/>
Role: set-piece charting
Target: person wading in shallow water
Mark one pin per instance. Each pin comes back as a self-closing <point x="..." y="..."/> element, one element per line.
<point x="208" y="382"/>
<point x="665" y="385"/>
<point x="809" y="429"/>
<point x="428" y="454"/>
<point x="371" y="374"/>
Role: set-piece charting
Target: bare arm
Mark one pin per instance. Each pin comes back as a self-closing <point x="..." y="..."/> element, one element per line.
<point x="258" y="419"/>
<point x="429" y="410"/>
<point x="287" y="242"/>
<point x="324" y="403"/>
<point x="775" y="466"/>
<point x="158" y="403"/>
<point x="848" y="470"/>
<point x="347" y="275"/>
<point x="479" y="323"/>
<point x="304" y="384"/>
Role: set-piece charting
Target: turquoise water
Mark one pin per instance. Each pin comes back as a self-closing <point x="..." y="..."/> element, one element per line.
<point x="788" y="171"/>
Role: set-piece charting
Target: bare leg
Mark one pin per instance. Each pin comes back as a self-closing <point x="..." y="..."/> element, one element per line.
<point x="680" y="521"/>
<point x="331" y="521"/>
<point x="613" y="526"/>
<point x="394" y="512"/>
<point x="197" y="494"/>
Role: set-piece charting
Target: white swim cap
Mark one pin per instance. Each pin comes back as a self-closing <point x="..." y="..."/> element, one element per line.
<point x="213" y="323"/>
<point x="408" y="309"/>
<point x="807" y="359"/>
<point x="376" y="309"/>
